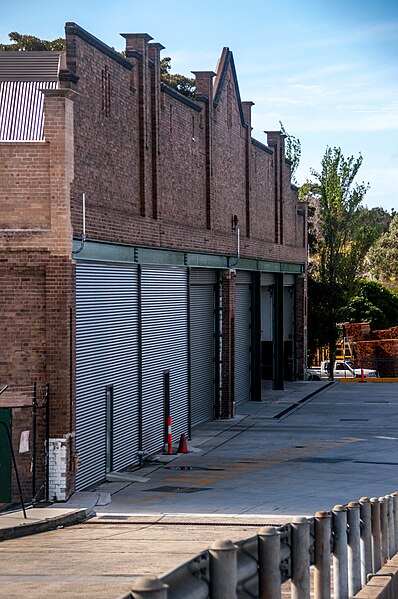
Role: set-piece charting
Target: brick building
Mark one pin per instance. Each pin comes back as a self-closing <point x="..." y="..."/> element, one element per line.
<point x="152" y="253"/>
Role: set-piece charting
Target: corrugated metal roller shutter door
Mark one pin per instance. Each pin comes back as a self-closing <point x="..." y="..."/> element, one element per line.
<point x="202" y="345"/>
<point x="243" y="338"/>
<point x="267" y="279"/>
<point x="267" y="308"/>
<point x="164" y="314"/>
<point x="106" y="354"/>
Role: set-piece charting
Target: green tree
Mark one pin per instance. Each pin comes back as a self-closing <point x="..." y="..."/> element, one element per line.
<point x="293" y="151"/>
<point x="341" y="240"/>
<point x="378" y="217"/>
<point x="22" y="42"/>
<point x="383" y="256"/>
<point x="184" y="85"/>
<point x="373" y="303"/>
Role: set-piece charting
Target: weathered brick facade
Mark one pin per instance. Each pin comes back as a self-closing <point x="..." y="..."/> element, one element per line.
<point x="158" y="170"/>
<point x="36" y="273"/>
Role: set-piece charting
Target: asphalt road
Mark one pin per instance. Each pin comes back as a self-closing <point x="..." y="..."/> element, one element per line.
<point x="264" y="467"/>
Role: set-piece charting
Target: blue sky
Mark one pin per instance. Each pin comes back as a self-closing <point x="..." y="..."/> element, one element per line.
<point x="327" y="70"/>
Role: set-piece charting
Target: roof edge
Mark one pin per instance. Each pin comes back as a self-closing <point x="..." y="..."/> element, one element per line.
<point x="74" y="29"/>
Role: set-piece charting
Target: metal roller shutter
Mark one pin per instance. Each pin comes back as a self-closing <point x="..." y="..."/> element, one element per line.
<point x="267" y="279"/>
<point x="202" y="345"/>
<point x="288" y="279"/>
<point x="243" y="339"/>
<point x="164" y="317"/>
<point x="106" y="355"/>
<point x="288" y="327"/>
<point x="288" y="312"/>
<point x="267" y="325"/>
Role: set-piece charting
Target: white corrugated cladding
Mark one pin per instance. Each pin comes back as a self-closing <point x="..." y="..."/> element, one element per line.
<point x="106" y="354"/>
<point x="164" y="321"/>
<point x="202" y="289"/>
<point x="243" y="318"/>
<point x="22" y="76"/>
<point x="21" y="110"/>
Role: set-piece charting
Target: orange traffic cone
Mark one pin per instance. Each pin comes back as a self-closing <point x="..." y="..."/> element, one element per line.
<point x="183" y="447"/>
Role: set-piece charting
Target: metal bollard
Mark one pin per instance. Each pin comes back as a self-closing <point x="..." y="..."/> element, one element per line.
<point x="376" y="534"/>
<point x="149" y="587"/>
<point x="223" y="570"/>
<point x="322" y="555"/>
<point x="269" y="560"/>
<point x="391" y="531"/>
<point x="354" y="548"/>
<point x="395" y="512"/>
<point x="300" y="559"/>
<point x="340" y="569"/>
<point x="384" y="529"/>
<point x="366" y="538"/>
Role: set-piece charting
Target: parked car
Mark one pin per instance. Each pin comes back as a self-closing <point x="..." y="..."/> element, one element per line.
<point x="342" y="369"/>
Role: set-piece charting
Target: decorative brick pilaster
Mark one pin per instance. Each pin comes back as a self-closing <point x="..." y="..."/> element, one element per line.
<point x="276" y="141"/>
<point x="247" y="108"/>
<point x="154" y="55"/>
<point x="204" y="96"/>
<point x="58" y="131"/>
<point x="137" y="51"/>
<point x="227" y="403"/>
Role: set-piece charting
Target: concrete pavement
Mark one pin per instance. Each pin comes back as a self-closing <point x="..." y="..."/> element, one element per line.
<point x="14" y="524"/>
<point x="339" y="445"/>
<point x="275" y="460"/>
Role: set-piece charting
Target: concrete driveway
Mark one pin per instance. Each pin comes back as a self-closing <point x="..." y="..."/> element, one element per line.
<point x="280" y="458"/>
<point x="339" y="445"/>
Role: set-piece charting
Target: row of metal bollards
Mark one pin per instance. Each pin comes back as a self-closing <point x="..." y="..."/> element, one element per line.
<point x="359" y="538"/>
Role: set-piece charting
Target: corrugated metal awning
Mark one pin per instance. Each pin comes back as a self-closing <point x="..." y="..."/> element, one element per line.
<point x="30" y="66"/>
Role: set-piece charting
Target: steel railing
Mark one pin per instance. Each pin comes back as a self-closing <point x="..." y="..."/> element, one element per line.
<point x="352" y="542"/>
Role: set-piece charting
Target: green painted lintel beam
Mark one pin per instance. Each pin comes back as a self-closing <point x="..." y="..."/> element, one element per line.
<point x="110" y="252"/>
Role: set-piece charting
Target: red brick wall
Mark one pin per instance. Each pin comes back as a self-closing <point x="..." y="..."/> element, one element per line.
<point x="117" y="168"/>
<point x="182" y="190"/>
<point x="106" y="168"/>
<point x="229" y="166"/>
<point x="25" y="185"/>
<point x="37" y="304"/>
<point x="36" y="273"/>
<point x="23" y="322"/>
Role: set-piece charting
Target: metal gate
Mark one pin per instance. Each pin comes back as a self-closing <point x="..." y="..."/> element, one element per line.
<point x="164" y="321"/>
<point x="243" y="319"/>
<point x="202" y="344"/>
<point x="106" y="359"/>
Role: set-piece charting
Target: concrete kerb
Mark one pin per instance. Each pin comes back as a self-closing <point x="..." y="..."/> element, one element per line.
<point x="44" y="522"/>
<point x="383" y="584"/>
